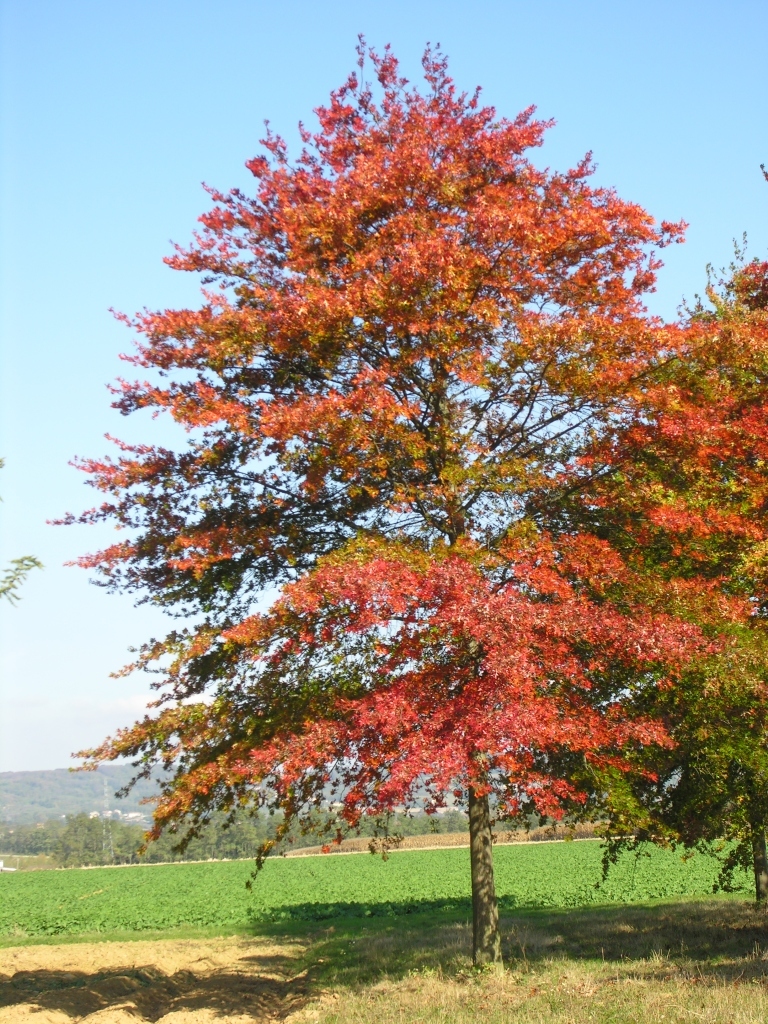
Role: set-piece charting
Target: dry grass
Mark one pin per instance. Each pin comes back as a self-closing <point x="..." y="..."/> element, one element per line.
<point x="690" y="962"/>
<point x="28" y="861"/>
<point x="686" y="962"/>
<point x="450" y="840"/>
<point x="555" y="991"/>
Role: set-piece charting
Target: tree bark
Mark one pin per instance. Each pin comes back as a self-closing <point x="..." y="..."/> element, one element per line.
<point x="760" y="863"/>
<point x="486" y="939"/>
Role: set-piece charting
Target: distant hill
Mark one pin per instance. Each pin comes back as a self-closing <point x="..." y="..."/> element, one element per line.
<point x="29" y="797"/>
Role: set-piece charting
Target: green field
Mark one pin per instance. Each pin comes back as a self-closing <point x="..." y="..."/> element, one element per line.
<point x="213" y="895"/>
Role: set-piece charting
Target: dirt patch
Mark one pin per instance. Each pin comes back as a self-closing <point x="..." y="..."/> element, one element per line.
<point x="219" y="981"/>
<point x="447" y="840"/>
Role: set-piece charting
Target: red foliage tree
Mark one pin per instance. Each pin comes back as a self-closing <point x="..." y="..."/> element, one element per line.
<point x="415" y="331"/>
<point x="683" y="494"/>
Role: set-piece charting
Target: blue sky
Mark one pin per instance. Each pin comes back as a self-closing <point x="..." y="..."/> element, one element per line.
<point x="114" y="113"/>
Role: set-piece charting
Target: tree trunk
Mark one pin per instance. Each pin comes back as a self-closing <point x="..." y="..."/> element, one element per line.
<point x="486" y="940"/>
<point x="760" y="863"/>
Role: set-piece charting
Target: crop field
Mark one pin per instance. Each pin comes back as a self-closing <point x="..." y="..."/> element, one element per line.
<point x="356" y="940"/>
<point x="213" y="895"/>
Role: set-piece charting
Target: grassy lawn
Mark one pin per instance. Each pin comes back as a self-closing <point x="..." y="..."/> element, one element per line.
<point x="353" y="939"/>
<point x="683" y="961"/>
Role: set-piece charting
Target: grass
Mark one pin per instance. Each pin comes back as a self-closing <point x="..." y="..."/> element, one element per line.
<point x="683" y="961"/>
<point x="389" y="943"/>
<point x="213" y="896"/>
<point x="680" y="961"/>
<point x="674" y="962"/>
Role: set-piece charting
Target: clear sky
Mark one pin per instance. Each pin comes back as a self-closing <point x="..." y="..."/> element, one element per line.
<point x="112" y="116"/>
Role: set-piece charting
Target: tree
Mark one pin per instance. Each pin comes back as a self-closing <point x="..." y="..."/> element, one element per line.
<point x="88" y="840"/>
<point x="16" y="573"/>
<point x="415" y="330"/>
<point x="685" y="498"/>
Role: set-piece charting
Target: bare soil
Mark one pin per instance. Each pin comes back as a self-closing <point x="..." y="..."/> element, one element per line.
<point x="190" y="981"/>
<point x="698" y="962"/>
<point x="444" y="840"/>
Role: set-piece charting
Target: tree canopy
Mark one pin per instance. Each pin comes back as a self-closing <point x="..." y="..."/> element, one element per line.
<point x="411" y="340"/>
<point x="688" y="506"/>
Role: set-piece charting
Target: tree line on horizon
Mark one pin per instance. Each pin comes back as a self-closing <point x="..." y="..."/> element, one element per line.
<point x="84" y="840"/>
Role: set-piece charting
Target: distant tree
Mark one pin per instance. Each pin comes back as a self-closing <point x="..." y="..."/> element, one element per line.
<point x="41" y="838"/>
<point x="82" y="842"/>
<point x="16" y="573"/>
<point x="415" y="332"/>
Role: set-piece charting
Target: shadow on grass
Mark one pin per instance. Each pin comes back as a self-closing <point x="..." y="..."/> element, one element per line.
<point x="318" y="912"/>
<point x="285" y="964"/>
<point x="716" y="938"/>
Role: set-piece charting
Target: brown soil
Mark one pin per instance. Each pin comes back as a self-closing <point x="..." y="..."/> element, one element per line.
<point x="217" y="981"/>
<point x="442" y="840"/>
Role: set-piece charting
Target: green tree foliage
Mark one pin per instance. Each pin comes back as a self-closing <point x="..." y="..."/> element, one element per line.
<point x="688" y="507"/>
<point x="89" y="841"/>
<point x="16" y="573"/>
<point x="42" y="838"/>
